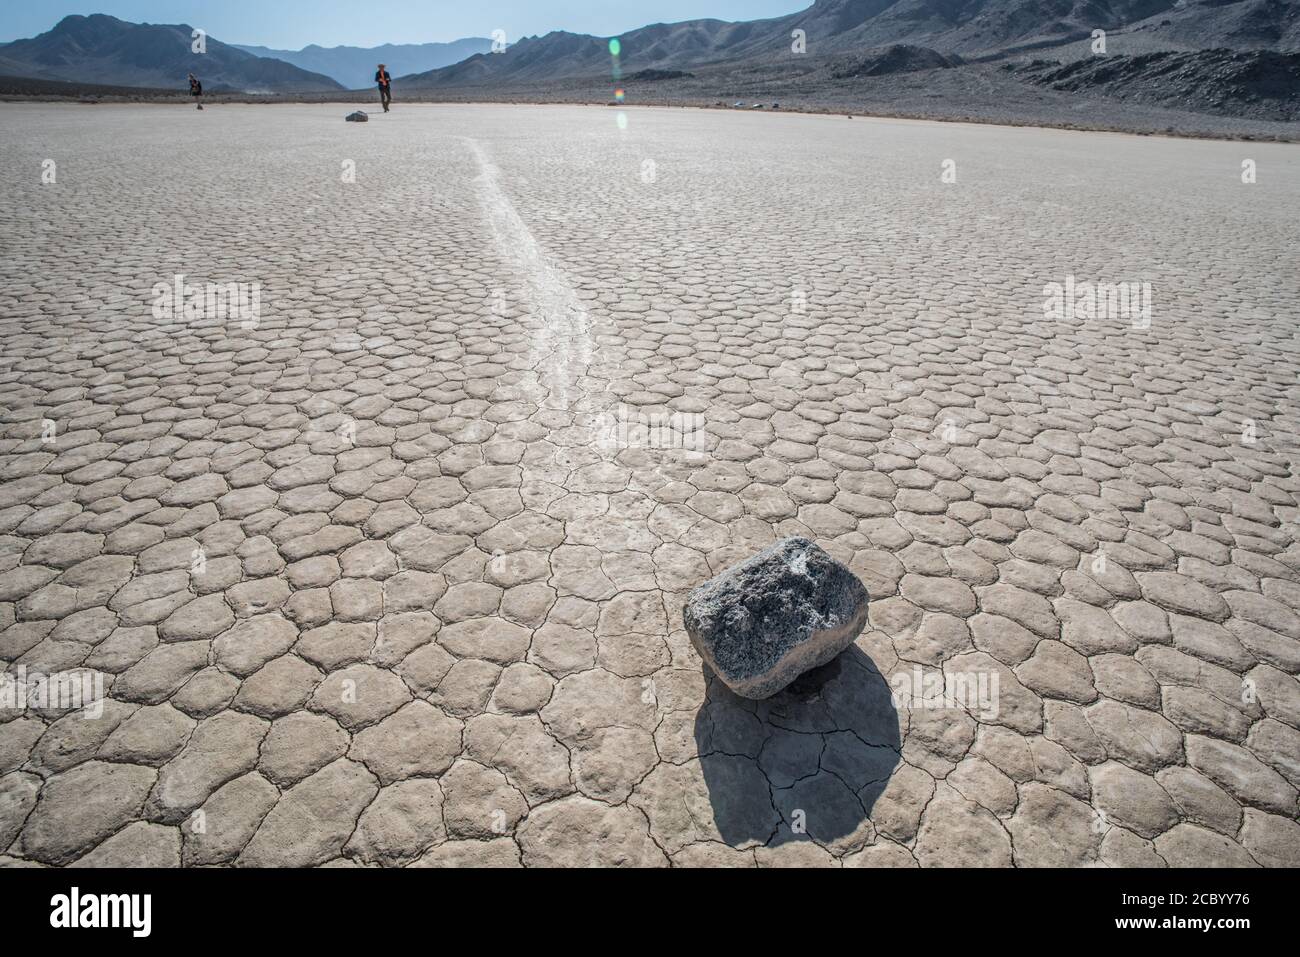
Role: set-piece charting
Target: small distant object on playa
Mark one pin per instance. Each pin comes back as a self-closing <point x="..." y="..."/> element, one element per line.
<point x="360" y="116"/>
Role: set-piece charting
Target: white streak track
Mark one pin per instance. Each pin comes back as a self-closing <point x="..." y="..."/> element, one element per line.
<point x="562" y="349"/>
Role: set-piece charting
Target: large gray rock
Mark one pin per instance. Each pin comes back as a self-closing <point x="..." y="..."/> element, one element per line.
<point x="787" y="610"/>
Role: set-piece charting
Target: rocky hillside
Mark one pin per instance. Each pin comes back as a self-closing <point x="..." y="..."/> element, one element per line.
<point x="971" y="28"/>
<point x="1261" y="84"/>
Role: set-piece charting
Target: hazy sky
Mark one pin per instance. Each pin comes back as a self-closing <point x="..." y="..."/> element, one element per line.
<point x="291" y="24"/>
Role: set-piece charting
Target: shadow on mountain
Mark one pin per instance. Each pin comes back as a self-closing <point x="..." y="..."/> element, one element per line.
<point x="808" y="763"/>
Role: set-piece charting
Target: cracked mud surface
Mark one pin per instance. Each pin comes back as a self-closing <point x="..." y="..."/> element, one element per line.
<point x="437" y="619"/>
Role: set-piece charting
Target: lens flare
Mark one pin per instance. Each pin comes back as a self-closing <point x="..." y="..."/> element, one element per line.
<point x="615" y="48"/>
<point x="620" y="96"/>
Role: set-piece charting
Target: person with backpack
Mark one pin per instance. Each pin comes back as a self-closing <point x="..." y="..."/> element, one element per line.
<point x="385" y="87"/>
<point x="196" y="90"/>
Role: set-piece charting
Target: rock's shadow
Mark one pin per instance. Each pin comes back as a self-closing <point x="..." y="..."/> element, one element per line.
<point x="808" y="763"/>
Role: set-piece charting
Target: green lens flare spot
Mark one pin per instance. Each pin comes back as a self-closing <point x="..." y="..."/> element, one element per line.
<point x="615" y="48"/>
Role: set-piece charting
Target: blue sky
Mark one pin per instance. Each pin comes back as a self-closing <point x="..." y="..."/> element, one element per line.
<point x="291" y="24"/>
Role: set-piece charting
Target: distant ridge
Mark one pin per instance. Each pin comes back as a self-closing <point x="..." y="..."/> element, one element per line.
<point x="104" y="50"/>
<point x="354" y="67"/>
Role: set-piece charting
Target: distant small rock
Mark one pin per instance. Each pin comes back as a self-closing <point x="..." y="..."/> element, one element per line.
<point x="766" y="621"/>
<point x="360" y="116"/>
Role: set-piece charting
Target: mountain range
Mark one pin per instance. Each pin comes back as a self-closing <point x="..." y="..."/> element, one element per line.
<point x="105" y="50"/>
<point x="972" y="29"/>
<point x="1002" y="60"/>
<point x="354" y="67"/>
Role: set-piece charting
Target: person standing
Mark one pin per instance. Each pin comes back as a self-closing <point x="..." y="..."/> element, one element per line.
<point x="385" y="87"/>
<point x="196" y="90"/>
